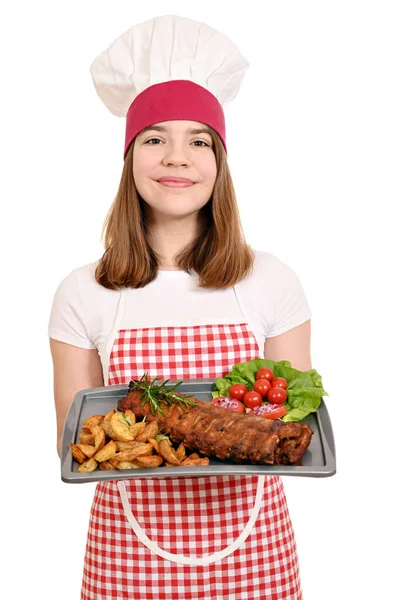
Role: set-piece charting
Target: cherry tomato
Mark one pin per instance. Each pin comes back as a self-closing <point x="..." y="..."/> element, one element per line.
<point x="280" y="382"/>
<point x="265" y="373"/>
<point x="277" y="395"/>
<point x="252" y="399"/>
<point x="270" y="411"/>
<point x="262" y="386"/>
<point x="228" y="403"/>
<point x="238" y="391"/>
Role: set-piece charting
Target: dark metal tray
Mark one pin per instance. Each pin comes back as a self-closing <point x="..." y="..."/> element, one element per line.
<point x="318" y="460"/>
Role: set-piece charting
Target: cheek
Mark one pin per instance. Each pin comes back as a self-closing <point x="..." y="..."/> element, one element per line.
<point x="141" y="170"/>
<point x="211" y="175"/>
<point x="209" y="172"/>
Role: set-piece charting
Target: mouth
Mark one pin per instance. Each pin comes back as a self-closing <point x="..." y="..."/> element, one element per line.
<point x="179" y="182"/>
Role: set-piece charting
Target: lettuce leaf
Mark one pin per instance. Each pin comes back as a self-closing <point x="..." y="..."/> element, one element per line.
<point x="304" y="392"/>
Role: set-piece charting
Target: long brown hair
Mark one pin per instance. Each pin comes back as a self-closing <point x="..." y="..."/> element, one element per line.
<point x="219" y="254"/>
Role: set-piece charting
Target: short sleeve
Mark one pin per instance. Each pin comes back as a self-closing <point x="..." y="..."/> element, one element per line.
<point x="290" y="304"/>
<point x="68" y="315"/>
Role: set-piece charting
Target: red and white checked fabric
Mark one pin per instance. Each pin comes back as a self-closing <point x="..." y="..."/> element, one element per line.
<point x="206" y="351"/>
<point x="188" y="516"/>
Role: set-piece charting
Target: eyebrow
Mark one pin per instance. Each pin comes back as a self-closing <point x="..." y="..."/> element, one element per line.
<point x="164" y="130"/>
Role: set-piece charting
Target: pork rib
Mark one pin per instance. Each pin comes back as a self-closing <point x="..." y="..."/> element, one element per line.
<point x="221" y="433"/>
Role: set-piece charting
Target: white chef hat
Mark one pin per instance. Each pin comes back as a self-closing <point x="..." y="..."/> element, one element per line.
<point x="169" y="68"/>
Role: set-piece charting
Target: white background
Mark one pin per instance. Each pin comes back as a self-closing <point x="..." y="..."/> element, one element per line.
<point x="313" y="148"/>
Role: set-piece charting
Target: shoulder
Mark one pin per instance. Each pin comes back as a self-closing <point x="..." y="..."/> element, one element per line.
<point x="265" y="261"/>
<point x="82" y="279"/>
<point x="266" y="268"/>
<point x="273" y="296"/>
<point x="80" y="287"/>
<point x="271" y="281"/>
<point x="82" y="308"/>
<point x="84" y="273"/>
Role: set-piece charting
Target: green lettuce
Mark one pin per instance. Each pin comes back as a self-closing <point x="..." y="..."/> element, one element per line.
<point x="304" y="392"/>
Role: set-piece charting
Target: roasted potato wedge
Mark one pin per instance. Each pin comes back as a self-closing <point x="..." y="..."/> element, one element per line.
<point x="90" y="422"/>
<point x="86" y="438"/>
<point x="149" y="461"/>
<point x="193" y="455"/>
<point x="120" y="429"/>
<point x="194" y="462"/>
<point x="125" y="464"/>
<point x="155" y="444"/>
<point x="89" y="451"/>
<point x="88" y="466"/>
<point x="130" y="416"/>
<point x="108" y="416"/>
<point x="129" y="455"/>
<point x="150" y="431"/>
<point x="122" y="446"/>
<point x="106" y="423"/>
<point x="106" y="466"/>
<point x="167" y="451"/>
<point x="106" y="452"/>
<point x="99" y="437"/>
<point x="181" y="452"/>
<point x="78" y="454"/>
<point x="106" y="426"/>
<point x="138" y="429"/>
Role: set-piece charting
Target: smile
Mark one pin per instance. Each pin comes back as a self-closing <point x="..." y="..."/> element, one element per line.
<point x="176" y="184"/>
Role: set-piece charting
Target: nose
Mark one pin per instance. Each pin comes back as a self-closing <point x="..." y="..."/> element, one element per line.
<point x="175" y="155"/>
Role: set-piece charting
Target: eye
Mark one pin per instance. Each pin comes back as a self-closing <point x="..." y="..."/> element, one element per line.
<point x="155" y="140"/>
<point x="201" y="142"/>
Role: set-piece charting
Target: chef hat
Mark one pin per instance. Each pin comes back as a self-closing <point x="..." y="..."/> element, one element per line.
<point x="169" y="68"/>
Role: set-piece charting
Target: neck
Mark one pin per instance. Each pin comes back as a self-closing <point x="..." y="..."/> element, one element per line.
<point x="169" y="237"/>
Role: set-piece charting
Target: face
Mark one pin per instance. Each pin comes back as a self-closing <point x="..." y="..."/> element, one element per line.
<point x="174" y="168"/>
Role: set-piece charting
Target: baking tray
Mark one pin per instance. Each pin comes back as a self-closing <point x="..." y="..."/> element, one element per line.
<point x="318" y="460"/>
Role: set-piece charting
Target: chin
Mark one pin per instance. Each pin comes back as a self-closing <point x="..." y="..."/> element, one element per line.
<point x="175" y="213"/>
<point x="178" y="215"/>
<point x="178" y="208"/>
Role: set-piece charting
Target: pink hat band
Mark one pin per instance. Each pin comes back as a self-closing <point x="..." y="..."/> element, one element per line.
<point x="176" y="100"/>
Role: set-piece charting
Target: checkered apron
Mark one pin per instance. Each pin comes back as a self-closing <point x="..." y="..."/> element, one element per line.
<point x="219" y="538"/>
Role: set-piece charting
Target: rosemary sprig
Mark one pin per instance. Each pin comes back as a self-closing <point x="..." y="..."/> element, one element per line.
<point x="156" y="394"/>
<point x="125" y="420"/>
<point x="162" y="435"/>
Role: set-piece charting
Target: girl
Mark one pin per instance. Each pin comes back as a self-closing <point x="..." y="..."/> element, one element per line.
<point x="178" y="294"/>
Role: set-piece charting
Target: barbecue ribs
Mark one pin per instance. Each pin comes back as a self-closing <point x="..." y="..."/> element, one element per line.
<point x="221" y="433"/>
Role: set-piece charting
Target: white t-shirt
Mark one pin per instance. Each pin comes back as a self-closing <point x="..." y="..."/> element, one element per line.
<point x="270" y="299"/>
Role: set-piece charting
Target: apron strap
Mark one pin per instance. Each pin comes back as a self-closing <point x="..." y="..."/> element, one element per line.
<point x="120" y="311"/>
<point x="248" y="315"/>
<point x="192" y="560"/>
